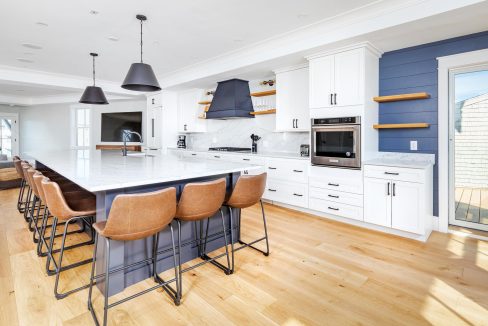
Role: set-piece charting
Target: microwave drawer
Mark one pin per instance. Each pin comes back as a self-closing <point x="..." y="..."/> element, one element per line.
<point x="336" y="196"/>
<point x="333" y="208"/>
<point x="394" y="173"/>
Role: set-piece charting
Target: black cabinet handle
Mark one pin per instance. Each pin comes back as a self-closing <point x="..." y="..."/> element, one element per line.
<point x="333" y="208"/>
<point x="298" y="195"/>
<point x="392" y="173"/>
<point x="184" y="127"/>
<point x="296" y="123"/>
<point x="331" y="102"/>
<point x="333" y="196"/>
<point x="298" y="171"/>
<point x="152" y="101"/>
<point x="393" y="192"/>
<point x="216" y="156"/>
<point x="193" y="154"/>
<point x="246" y="159"/>
<point x="388" y="189"/>
<point x="333" y="184"/>
<point x="293" y="123"/>
<point x="335" y="98"/>
<point x="152" y="127"/>
<point x="272" y="190"/>
<point x="271" y="168"/>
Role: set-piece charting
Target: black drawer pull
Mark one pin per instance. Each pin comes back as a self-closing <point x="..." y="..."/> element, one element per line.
<point x="333" y="184"/>
<point x="298" y="195"/>
<point x="273" y="190"/>
<point x="216" y="156"/>
<point x="333" y="196"/>
<point x="193" y="154"/>
<point x="392" y="173"/>
<point x="246" y="159"/>
<point x="271" y="168"/>
<point x="298" y="171"/>
<point x="334" y="209"/>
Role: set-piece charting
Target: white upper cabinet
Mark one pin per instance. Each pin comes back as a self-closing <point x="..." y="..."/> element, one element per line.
<point x="292" y="94"/>
<point x="189" y="111"/>
<point x="337" y="79"/>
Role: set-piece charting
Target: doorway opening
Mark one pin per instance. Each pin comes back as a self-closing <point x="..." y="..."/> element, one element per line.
<point x="468" y="147"/>
<point x="8" y="136"/>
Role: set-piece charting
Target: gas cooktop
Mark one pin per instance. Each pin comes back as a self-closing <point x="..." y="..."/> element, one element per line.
<point x="230" y="149"/>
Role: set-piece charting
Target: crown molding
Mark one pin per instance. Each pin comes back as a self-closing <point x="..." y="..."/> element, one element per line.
<point x="324" y="34"/>
<point x="362" y="45"/>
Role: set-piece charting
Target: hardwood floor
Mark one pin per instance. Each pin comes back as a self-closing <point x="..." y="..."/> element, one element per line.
<point x="319" y="272"/>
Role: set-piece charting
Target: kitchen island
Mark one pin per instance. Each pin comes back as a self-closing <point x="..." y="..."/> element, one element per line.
<point x="108" y="174"/>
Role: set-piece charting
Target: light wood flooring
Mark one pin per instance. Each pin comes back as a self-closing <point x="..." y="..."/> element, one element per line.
<point x="472" y="205"/>
<point x="319" y="272"/>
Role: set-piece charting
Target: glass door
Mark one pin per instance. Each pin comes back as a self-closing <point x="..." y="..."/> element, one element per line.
<point x="468" y="147"/>
<point x="8" y="136"/>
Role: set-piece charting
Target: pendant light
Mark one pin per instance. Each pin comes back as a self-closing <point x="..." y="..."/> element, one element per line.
<point x="141" y="76"/>
<point x="93" y="94"/>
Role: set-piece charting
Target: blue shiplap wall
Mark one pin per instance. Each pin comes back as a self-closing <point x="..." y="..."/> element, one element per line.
<point x="413" y="70"/>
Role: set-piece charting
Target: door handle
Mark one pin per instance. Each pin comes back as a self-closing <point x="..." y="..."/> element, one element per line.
<point x="333" y="196"/>
<point x="333" y="208"/>
<point x="393" y="191"/>
<point x="331" y="97"/>
<point x="388" y="189"/>
<point x="335" y="98"/>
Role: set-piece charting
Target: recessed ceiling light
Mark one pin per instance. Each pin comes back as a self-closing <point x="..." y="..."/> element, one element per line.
<point x="19" y="90"/>
<point x="11" y="104"/>
<point x="113" y="38"/>
<point x="28" y="53"/>
<point x="94" y="12"/>
<point x="156" y="43"/>
<point x="238" y="40"/>
<point x="32" y="46"/>
<point x="43" y="24"/>
<point x="302" y="15"/>
<point x="25" y="60"/>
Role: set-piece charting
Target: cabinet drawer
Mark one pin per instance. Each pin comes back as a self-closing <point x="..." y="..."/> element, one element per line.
<point x="257" y="160"/>
<point x="193" y="154"/>
<point x="337" y="183"/>
<point x="218" y="156"/>
<point x="288" y="170"/>
<point x="288" y="193"/>
<point x="336" y="196"/>
<point x="394" y="173"/>
<point x="348" y="211"/>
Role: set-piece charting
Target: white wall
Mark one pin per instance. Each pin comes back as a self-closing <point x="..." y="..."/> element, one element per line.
<point x="49" y="127"/>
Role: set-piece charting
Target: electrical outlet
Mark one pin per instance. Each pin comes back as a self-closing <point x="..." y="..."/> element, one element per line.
<point x="413" y="145"/>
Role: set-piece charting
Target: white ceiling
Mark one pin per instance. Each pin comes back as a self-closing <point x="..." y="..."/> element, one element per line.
<point x="24" y="90"/>
<point x="177" y="33"/>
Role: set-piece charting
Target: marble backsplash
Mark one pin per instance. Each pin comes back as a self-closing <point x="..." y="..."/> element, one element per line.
<point x="237" y="132"/>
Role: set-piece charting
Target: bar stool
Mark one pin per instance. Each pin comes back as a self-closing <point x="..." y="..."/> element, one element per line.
<point x="134" y="217"/>
<point x="83" y="209"/>
<point x="18" y="167"/>
<point x="199" y="202"/>
<point x="28" y="201"/>
<point x="69" y="196"/>
<point x="247" y="192"/>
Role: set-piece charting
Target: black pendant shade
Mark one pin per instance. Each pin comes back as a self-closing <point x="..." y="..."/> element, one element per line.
<point x="93" y="94"/>
<point x="141" y="77"/>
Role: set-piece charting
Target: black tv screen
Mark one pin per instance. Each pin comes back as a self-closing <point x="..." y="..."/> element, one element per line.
<point x="115" y="123"/>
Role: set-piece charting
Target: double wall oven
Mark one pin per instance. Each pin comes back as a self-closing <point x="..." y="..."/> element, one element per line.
<point x="336" y="142"/>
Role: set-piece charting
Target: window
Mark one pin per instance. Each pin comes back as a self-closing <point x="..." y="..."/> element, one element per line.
<point x="82" y="128"/>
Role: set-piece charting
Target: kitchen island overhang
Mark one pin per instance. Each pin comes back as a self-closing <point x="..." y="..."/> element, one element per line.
<point x="108" y="174"/>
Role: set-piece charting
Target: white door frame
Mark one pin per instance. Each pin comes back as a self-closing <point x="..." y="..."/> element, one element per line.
<point x="15" y="144"/>
<point x="446" y="64"/>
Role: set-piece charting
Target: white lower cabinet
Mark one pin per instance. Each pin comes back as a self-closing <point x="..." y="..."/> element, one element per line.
<point x="400" y="198"/>
<point x="336" y="208"/>
<point x="285" y="192"/>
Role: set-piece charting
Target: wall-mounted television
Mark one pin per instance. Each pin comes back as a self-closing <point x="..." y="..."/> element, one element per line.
<point x="115" y="123"/>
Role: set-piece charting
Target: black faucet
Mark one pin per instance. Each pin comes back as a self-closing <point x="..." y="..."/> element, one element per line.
<point x="255" y="138"/>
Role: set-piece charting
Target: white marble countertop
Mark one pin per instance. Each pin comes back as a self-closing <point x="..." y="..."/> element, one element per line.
<point x="261" y="153"/>
<point x="97" y="170"/>
<point x="403" y="160"/>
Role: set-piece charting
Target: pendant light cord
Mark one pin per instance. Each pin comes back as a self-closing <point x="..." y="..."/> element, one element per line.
<point x="141" y="41"/>
<point x="93" y="70"/>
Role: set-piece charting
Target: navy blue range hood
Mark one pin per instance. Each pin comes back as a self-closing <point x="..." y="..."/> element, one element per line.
<point x="231" y="100"/>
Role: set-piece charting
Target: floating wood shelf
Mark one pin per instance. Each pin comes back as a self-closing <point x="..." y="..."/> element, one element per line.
<point x="205" y="102"/>
<point x="401" y="125"/>
<point x="401" y="97"/>
<point x="263" y="112"/>
<point x="265" y="93"/>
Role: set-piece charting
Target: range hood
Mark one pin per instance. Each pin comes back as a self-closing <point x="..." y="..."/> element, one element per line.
<point x="231" y="100"/>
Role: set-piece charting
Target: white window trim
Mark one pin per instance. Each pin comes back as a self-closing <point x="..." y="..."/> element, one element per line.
<point x="446" y="64"/>
<point x="15" y="116"/>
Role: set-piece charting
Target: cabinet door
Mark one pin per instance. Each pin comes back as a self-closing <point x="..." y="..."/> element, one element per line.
<point x="292" y="96"/>
<point x="405" y="208"/>
<point x="377" y="201"/>
<point x="348" y="78"/>
<point x="189" y="110"/>
<point x="321" y="82"/>
<point x="154" y="119"/>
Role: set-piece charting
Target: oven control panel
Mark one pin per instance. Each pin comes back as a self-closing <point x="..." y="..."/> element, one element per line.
<point x="336" y="121"/>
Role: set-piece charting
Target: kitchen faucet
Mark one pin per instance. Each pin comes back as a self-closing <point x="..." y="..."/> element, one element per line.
<point x="125" y="136"/>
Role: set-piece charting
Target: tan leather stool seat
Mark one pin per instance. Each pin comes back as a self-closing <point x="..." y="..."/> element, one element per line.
<point x="201" y="200"/>
<point x="248" y="191"/>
